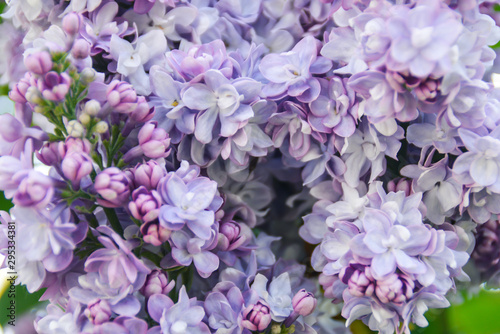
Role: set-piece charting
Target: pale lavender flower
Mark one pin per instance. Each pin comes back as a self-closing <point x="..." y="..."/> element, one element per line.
<point x="172" y="114"/>
<point x="186" y="249"/>
<point x="224" y="310"/>
<point x="16" y="135"/>
<point x="366" y="150"/>
<point x="278" y="296"/>
<point x="191" y="203"/>
<point x="441" y="192"/>
<point x="67" y="321"/>
<point x="422" y="38"/>
<point x="183" y="317"/>
<point x="292" y="72"/>
<point x="51" y="238"/>
<point x="113" y="186"/>
<point x="481" y="204"/>
<point x="390" y="245"/>
<point x="223" y="102"/>
<point x="124" y="324"/>
<point x="133" y="60"/>
<point x="479" y="166"/>
<point x="116" y="264"/>
<point x="331" y="111"/>
<point x="435" y="132"/>
<point x="382" y="103"/>
<point x="192" y="64"/>
<point x="101" y="25"/>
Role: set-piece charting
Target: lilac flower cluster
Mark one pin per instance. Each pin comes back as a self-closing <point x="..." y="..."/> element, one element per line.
<point x="192" y="148"/>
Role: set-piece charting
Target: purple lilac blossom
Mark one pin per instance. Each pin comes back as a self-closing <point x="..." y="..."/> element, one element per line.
<point x="291" y="73"/>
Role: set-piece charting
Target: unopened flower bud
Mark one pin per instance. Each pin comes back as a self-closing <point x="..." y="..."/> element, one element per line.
<point x="49" y="154"/>
<point x="232" y="235"/>
<point x="84" y="119"/>
<point x="396" y="288"/>
<point x="154" y="233"/>
<point x="33" y="95"/>
<point x="92" y="108"/>
<point x="113" y="186"/>
<point x="35" y="189"/>
<point x="76" y="166"/>
<point x="148" y="174"/>
<point x="142" y="113"/>
<point x="145" y="204"/>
<point x="101" y="127"/>
<point x="157" y="283"/>
<point x="54" y="86"/>
<point x="257" y="317"/>
<point x="39" y="62"/>
<point x="71" y="23"/>
<point x="121" y="96"/>
<point x="18" y="93"/>
<point x="87" y="75"/>
<point x="98" y="312"/>
<point x="304" y="302"/>
<point x="81" y="49"/>
<point x="75" y="129"/>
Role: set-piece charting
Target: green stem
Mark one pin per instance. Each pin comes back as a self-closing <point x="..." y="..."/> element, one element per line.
<point x="113" y="220"/>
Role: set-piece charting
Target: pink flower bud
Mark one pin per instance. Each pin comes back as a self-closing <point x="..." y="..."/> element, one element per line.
<point x="35" y="189"/>
<point x="148" y="174"/>
<point x="98" y="312"/>
<point x="54" y="86"/>
<point x="142" y="113"/>
<point x="157" y="283"/>
<point x="145" y="204"/>
<point x="257" y="317"/>
<point x="154" y="141"/>
<point x="232" y="235"/>
<point x="400" y="185"/>
<point x="49" y="154"/>
<point x="71" y="23"/>
<point x="121" y="96"/>
<point x="39" y="63"/>
<point x="81" y="49"/>
<point x="155" y="234"/>
<point x="75" y="166"/>
<point x="304" y="302"/>
<point x="114" y="187"/>
<point x="18" y="93"/>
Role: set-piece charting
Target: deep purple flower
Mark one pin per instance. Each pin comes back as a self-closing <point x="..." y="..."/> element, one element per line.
<point x="114" y="187"/>
<point x="145" y="204"/>
<point x="54" y="86"/>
